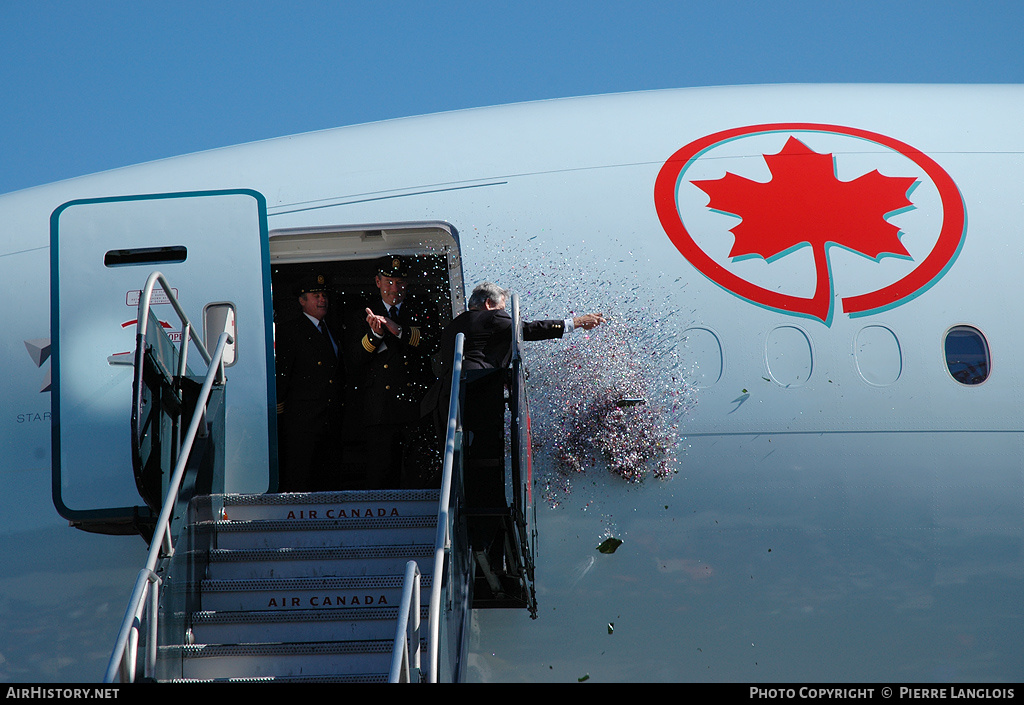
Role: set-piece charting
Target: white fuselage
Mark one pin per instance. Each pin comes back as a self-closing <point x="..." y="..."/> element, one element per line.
<point x="840" y="507"/>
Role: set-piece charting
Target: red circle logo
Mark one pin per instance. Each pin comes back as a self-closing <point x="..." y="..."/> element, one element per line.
<point x="811" y="188"/>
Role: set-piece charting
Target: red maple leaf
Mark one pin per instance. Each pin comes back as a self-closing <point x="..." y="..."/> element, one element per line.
<point x="805" y="204"/>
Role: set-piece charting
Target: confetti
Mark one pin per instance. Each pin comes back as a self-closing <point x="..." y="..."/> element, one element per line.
<point x="610" y="400"/>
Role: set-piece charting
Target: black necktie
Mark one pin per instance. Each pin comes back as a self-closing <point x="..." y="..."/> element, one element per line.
<point x="393" y="313"/>
<point x="327" y="336"/>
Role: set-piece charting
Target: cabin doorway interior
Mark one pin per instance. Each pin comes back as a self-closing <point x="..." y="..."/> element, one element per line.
<point x="347" y="256"/>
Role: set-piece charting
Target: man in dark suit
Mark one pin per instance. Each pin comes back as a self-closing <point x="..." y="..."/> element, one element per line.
<point x="392" y="368"/>
<point x="486" y="350"/>
<point x="488" y="329"/>
<point x="310" y="394"/>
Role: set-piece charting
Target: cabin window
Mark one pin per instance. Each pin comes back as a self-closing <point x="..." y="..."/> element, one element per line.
<point x="173" y="254"/>
<point x="789" y="356"/>
<point x="877" y="355"/>
<point x="967" y="355"/>
<point x="220" y="318"/>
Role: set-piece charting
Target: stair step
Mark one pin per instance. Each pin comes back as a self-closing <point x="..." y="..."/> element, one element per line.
<point x="302" y="533"/>
<point x="330" y="561"/>
<point x="302" y="587"/>
<point x="318" y="625"/>
<point x="331" y="505"/>
<point x="340" y="678"/>
<point x="307" y="593"/>
<point x="368" y="659"/>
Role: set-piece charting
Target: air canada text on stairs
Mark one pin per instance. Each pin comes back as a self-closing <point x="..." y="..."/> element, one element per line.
<point x="295" y="586"/>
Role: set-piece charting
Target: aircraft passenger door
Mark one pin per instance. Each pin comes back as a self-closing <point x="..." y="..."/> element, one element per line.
<point x="212" y="247"/>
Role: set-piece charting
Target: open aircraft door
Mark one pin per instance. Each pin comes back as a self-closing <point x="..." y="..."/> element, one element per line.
<point x="212" y="248"/>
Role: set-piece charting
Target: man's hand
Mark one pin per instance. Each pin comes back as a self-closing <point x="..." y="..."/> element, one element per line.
<point x="589" y="321"/>
<point x="379" y="323"/>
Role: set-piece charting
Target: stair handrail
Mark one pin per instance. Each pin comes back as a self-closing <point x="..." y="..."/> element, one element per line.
<point x="147" y="576"/>
<point x="407" y="633"/>
<point x="520" y="448"/>
<point x="127" y="635"/>
<point x="142" y="326"/>
<point x="442" y="541"/>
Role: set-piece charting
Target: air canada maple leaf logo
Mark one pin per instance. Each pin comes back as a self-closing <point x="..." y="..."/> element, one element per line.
<point x="795" y="200"/>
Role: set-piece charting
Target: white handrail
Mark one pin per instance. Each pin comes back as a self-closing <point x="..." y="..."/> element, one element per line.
<point x="162" y="529"/>
<point x="142" y="326"/>
<point x="162" y="532"/>
<point x="443" y="537"/>
<point x="144" y="305"/>
<point x="407" y="632"/>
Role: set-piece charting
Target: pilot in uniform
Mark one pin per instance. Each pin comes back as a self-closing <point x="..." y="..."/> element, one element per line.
<point x="392" y="369"/>
<point x="310" y="394"/>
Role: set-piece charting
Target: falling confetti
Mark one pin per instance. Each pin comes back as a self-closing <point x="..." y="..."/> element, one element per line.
<point x="609" y="400"/>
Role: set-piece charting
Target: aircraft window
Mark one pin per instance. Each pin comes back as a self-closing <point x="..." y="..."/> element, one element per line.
<point x="218" y="318"/>
<point x="704" y="350"/>
<point x="967" y="355"/>
<point x="877" y="355"/>
<point x="789" y="356"/>
<point x="145" y="255"/>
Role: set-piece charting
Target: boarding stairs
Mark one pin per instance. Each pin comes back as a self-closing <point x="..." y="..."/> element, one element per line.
<point x="298" y="586"/>
<point x="354" y="586"/>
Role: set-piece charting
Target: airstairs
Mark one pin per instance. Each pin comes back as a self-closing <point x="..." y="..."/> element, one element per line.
<point x="354" y="586"/>
<point x="297" y="586"/>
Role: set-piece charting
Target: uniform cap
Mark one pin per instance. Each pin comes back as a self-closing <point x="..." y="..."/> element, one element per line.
<point x="394" y="266"/>
<point x="314" y="282"/>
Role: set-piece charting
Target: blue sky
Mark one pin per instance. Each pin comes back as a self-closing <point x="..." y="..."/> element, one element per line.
<point x="93" y="85"/>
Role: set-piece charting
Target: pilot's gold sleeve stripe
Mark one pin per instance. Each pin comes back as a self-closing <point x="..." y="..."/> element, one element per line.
<point x="367" y="345"/>
<point x="414" y="336"/>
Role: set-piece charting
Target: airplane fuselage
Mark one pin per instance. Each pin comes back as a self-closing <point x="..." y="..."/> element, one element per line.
<point x="812" y="288"/>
